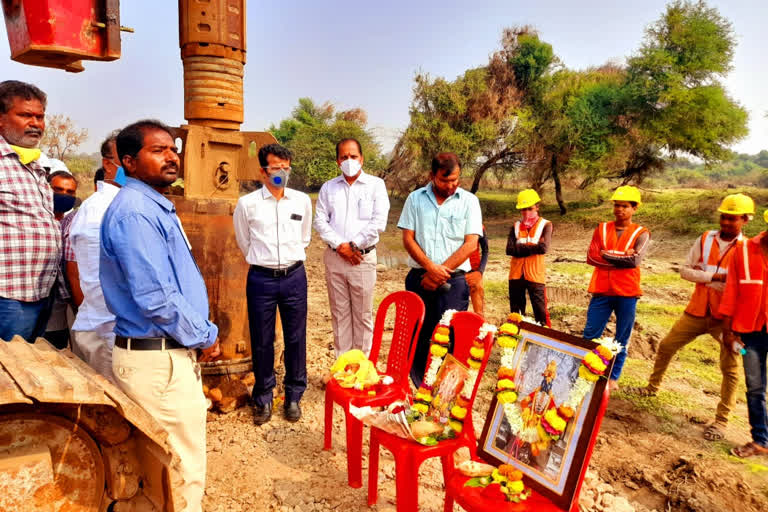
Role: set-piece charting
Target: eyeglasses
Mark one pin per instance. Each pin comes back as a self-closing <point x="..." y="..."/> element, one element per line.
<point x="272" y="170"/>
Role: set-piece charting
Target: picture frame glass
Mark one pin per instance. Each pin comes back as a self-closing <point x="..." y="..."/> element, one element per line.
<point x="546" y="365"/>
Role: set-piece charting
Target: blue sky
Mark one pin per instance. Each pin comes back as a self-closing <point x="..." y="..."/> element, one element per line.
<point x="365" y="54"/>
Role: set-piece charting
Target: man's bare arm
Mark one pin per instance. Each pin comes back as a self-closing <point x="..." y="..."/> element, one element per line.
<point x="438" y="273"/>
<point x="462" y="253"/>
<point x="73" y="276"/>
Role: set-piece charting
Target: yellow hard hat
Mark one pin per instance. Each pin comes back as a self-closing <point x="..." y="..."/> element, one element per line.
<point x="765" y="215"/>
<point x="527" y="198"/>
<point x="737" y="204"/>
<point x="626" y="193"/>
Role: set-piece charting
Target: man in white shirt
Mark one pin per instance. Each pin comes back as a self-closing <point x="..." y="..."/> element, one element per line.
<point x="351" y="211"/>
<point x="273" y="226"/>
<point x="93" y="338"/>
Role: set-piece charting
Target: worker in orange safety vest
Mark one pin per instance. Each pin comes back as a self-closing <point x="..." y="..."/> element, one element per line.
<point x="707" y="266"/>
<point x="745" y="314"/>
<point x="616" y="251"/>
<point x="528" y="242"/>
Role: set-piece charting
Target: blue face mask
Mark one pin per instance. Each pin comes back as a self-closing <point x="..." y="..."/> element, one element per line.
<point x="120" y="176"/>
<point x="279" y="178"/>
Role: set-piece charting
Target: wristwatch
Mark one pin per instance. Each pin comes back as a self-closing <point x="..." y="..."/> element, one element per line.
<point x="353" y="246"/>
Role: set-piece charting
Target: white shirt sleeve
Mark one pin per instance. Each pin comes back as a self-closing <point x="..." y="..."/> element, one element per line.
<point x="306" y="225"/>
<point x="378" y="223"/>
<point x="689" y="270"/>
<point x="242" y="229"/>
<point x="323" y="219"/>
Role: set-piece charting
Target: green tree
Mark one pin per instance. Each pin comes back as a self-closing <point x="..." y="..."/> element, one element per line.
<point x="677" y="99"/>
<point x="479" y="115"/>
<point x="312" y="132"/>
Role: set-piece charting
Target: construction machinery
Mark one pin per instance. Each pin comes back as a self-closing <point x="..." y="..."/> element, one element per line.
<point x="69" y="439"/>
<point x="72" y="441"/>
<point x="216" y="157"/>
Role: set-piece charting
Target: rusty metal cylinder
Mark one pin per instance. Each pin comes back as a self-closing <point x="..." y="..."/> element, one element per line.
<point x="212" y="42"/>
<point x="208" y="224"/>
<point x="213" y="91"/>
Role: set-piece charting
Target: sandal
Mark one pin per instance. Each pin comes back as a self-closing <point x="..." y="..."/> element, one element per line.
<point x="714" y="432"/>
<point x="639" y="391"/>
<point x="749" y="450"/>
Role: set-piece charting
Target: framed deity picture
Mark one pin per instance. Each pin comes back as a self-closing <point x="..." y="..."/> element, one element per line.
<point x="448" y="384"/>
<point x="543" y="432"/>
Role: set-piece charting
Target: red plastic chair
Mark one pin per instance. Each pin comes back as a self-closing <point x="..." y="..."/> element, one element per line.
<point x="472" y="500"/>
<point x="409" y="315"/>
<point x="408" y="454"/>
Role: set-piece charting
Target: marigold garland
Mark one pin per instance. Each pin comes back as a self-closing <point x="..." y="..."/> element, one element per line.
<point x="437" y="352"/>
<point x="555" y="420"/>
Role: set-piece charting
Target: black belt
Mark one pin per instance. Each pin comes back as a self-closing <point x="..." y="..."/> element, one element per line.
<point x="277" y="272"/>
<point x="147" y="343"/>
<point x="362" y="251"/>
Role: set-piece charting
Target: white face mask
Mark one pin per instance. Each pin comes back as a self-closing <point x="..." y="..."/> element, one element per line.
<point x="350" y="167"/>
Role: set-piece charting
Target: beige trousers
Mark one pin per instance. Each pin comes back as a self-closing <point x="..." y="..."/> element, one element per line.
<point x="166" y="385"/>
<point x="685" y="330"/>
<point x="95" y="350"/>
<point x="350" y="293"/>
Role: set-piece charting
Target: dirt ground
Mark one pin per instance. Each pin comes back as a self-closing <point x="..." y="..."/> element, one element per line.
<point x="641" y="462"/>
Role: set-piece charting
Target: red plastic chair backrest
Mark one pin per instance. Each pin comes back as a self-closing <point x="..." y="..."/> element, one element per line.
<point x="465" y="326"/>
<point x="409" y="316"/>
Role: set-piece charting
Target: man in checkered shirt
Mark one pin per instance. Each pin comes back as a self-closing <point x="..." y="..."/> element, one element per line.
<point x="30" y="239"/>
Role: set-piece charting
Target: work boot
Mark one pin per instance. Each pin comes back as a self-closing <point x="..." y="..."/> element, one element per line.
<point x="262" y="413"/>
<point x="292" y="411"/>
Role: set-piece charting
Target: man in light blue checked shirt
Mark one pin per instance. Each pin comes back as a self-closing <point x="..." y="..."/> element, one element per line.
<point x="441" y="225"/>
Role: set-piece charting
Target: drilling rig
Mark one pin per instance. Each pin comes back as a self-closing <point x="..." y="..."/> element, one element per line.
<point x="123" y="460"/>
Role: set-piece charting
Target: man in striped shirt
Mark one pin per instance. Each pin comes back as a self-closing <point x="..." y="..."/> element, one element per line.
<point x="30" y="239"/>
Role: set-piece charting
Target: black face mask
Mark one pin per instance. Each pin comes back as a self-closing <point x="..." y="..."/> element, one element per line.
<point x="63" y="202"/>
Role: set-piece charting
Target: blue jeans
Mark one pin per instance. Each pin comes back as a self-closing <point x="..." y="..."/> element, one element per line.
<point x="27" y="319"/>
<point x="265" y="295"/>
<point x="598" y="313"/>
<point x="435" y="304"/>
<point x="756" y="346"/>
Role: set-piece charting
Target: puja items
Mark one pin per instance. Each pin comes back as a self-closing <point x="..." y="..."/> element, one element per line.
<point x="354" y="370"/>
<point x="505" y="483"/>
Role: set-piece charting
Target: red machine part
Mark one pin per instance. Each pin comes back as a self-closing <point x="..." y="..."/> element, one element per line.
<point x="61" y="33"/>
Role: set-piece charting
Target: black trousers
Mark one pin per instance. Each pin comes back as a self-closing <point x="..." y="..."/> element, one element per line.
<point x="265" y="294"/>
<point x="436" y="303"/>
<point x="538" y="295"/>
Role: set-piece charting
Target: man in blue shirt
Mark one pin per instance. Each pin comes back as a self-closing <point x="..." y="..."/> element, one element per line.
<point x="152" y="285"/>
<point x="441" y="224"/>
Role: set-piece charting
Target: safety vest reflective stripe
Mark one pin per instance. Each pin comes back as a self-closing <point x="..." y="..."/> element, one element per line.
<point x="706" y="250"/>
<point x="747" y="273"/>
<point x="605" y="234"/>
<point x="530" y="239"/>
<point x="630" y="240"/>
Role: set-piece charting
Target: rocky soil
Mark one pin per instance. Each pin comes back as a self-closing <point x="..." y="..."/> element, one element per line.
<point x="638" y="464"/>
